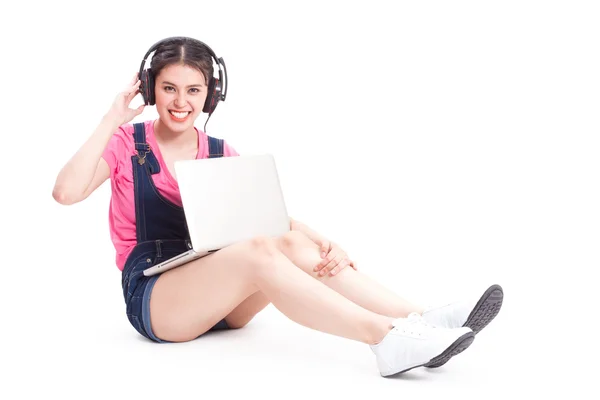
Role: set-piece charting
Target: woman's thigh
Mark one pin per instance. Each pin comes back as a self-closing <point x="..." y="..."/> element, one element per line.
<point x="187" y="301"/>
<point x="246" y="310"/>
<point x="302" y="251"/>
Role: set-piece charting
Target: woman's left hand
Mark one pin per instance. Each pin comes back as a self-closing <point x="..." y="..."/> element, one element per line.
<point x="334" y="258"/>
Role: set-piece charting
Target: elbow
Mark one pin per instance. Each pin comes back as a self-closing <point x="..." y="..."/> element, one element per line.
<point x="62" y="197"/>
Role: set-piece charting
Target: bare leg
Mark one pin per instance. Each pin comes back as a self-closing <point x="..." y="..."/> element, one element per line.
<point x="352" y="284"/>
<point x="243" y="314"/>
<point x="188" y="300"/>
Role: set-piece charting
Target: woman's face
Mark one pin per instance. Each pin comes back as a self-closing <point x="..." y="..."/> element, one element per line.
<point x="180" y="92"/>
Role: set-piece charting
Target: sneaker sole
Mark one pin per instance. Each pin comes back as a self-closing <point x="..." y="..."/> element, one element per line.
<point x="486" y="309"/>
<point x="455" y="348"/>
<point x="483" y="313"/>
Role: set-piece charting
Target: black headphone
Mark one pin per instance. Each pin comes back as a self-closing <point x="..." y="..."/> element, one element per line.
<point x="216" y="90"/>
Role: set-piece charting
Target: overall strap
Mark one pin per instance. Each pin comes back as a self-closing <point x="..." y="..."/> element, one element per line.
<point x="215" y="147"/>
<point x="145" y="154"/>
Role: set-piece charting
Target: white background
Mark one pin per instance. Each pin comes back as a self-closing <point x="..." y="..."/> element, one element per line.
<point x="446" y="145"/>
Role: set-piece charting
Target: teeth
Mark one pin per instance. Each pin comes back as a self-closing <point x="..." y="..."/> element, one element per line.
<point x="179" y="115"/>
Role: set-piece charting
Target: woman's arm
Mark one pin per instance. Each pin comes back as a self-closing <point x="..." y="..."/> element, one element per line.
<point x="86" y="170"/>
<point x="296" y="225"/>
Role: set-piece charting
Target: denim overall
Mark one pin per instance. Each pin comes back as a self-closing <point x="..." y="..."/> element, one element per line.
<point x="161" y="231"/>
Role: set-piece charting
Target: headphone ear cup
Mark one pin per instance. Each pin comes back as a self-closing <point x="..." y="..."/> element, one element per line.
<point x="147" y="87"/>
<point x="213" y="97"/>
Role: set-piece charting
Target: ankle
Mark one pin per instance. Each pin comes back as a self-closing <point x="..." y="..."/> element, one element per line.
<point x="378" y="330"/>
<point x="414" y="309"/>
<point x="403" y="311"/>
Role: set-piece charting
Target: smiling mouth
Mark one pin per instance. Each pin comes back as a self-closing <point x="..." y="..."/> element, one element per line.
<point x="180" y="114"/>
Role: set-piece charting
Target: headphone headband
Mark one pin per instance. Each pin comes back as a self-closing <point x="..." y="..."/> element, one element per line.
<point x="219" y="61"/>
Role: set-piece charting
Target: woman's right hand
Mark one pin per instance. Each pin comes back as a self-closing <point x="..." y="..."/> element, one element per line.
<point x="120" y="111"/>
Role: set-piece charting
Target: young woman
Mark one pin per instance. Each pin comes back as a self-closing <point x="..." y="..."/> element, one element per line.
<point x="306" y="276"/>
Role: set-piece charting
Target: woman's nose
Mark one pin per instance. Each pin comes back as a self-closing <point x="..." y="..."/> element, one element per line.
<point x="180" y="100"/>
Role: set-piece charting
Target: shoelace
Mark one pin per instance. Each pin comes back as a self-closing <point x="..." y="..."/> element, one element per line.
<point x="412" y="321"/>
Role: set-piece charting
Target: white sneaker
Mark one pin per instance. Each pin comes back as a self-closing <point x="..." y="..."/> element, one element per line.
<point x="473" y="314"/>
<point x="414" y="343"/>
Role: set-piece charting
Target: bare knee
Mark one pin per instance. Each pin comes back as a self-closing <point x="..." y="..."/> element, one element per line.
<point x="263" y="245"/>
<point x="292" y="240"/>
<point x="262" y="250"/>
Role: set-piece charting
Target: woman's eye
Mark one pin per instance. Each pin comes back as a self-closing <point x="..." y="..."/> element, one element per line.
<point x="169" y="88"/>
<point x="195" y="90"/>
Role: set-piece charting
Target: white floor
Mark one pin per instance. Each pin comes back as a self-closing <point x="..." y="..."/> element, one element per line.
<point x="88" y="350"/>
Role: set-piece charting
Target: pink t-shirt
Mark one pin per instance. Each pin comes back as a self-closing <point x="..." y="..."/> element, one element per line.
<point x="118" y="154"/>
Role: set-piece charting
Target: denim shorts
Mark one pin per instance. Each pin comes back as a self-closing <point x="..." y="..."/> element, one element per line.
<point x="137" y="288"/>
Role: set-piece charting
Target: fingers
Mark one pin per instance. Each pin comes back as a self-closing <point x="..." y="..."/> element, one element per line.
<point x="329" y="257"/>
<point x="335" y="259"/>
<point x="132" y="86"/>
<point x="325" y="250"/>
<point x="325" y="247"/>
<point x="131" y="114"/>
<point x="344" y="263"/>
<point x="139" y="110"/>
<point x="132" y="91"/>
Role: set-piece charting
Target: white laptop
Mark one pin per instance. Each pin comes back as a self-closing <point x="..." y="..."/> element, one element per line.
<point x="227" y="200"/>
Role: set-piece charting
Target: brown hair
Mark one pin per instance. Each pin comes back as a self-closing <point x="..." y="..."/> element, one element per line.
<point x="184" y="51"/>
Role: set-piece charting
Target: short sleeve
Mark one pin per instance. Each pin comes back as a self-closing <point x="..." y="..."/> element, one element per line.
<point x="114" y="152"/>
<point x="228" y="150"/>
